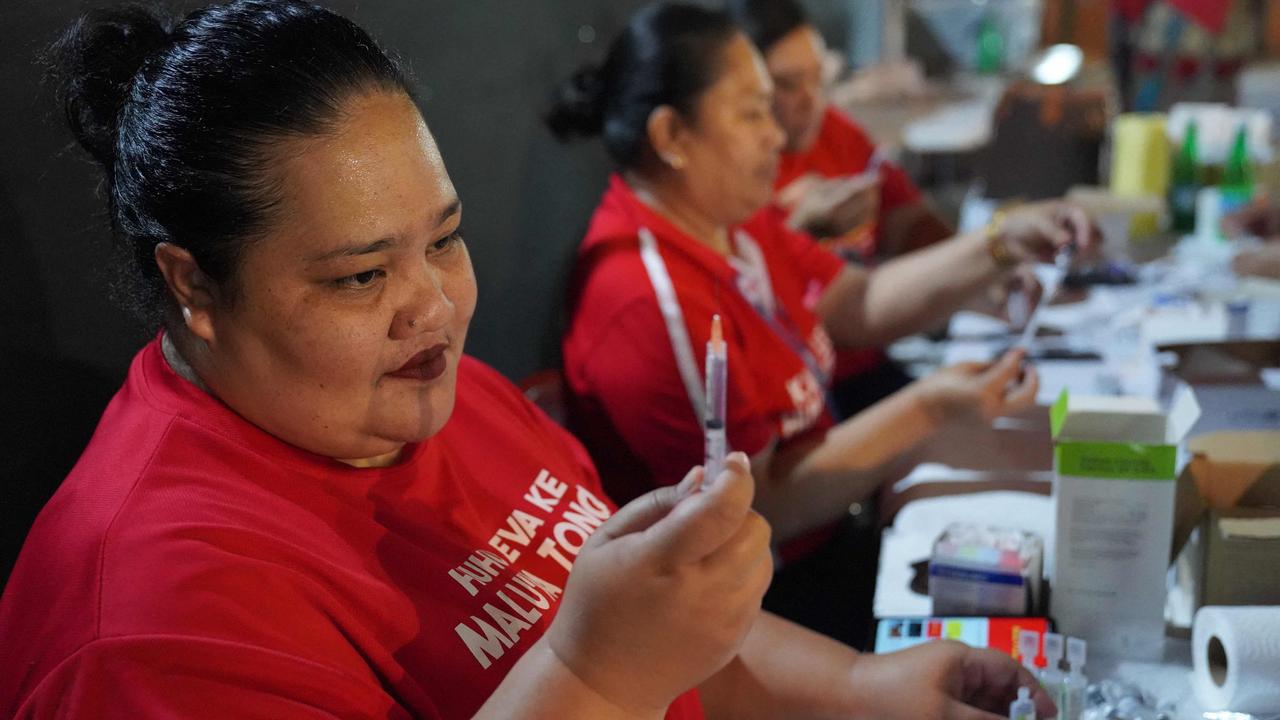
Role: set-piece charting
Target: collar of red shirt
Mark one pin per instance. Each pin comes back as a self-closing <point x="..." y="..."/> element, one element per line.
<point x="619" y="219"/>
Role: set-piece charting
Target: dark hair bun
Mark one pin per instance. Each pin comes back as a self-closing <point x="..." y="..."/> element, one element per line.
<point x="94" y="63"/>
<point x="669" y="54"/>
<point x="577" y="108"/>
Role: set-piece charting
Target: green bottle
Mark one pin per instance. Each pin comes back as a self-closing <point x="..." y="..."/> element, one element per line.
<point x="1237" y="174"/>
<point x="990" y="46"/>
<point x="1185" y="182"/>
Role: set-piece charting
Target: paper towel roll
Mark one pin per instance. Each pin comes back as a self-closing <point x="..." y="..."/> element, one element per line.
<point x="1236" y="658"/>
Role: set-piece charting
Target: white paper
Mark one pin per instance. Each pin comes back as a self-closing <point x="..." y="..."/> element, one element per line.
<point x="1193" y="323"/>
<point x="1271" y="378"/>
<point x="1079" y="377"/>
<point x="1236" y="658"/>
<point x="970" y="324"/>
<point x="971" y="351"/>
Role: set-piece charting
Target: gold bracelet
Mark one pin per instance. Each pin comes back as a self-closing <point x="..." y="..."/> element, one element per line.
<point x="995" y="245"/>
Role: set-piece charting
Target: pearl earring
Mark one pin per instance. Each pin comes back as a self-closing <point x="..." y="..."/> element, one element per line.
<point x="675" y="161"/>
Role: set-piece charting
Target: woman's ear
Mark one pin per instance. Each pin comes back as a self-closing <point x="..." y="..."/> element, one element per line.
<point x="194" y="292"/>
<point x="666" y="129"/>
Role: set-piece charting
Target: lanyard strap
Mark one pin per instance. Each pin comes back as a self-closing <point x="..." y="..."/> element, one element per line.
<point x="678" y="332"/>
<point x="674" y="319"/>
<point x="769" y="310"/>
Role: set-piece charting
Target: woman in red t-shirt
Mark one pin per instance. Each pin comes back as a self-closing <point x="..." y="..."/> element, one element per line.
<point x="307" y="503"/>
<point x="682" y="101"/>
<point x="874" y="220"/>
<point x="879" y="214"/>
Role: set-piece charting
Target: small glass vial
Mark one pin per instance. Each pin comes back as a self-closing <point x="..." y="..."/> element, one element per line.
<point x="1074" y="687"/>
<point x="1051" y="676"/>
<point x="1022" y="708"/>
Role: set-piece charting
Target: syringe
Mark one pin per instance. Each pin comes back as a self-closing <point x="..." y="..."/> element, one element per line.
<point x="717" y="381"/>
<point x="1062" y="264"/>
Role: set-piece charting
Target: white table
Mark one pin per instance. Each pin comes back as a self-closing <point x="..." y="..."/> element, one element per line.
<point x="911" y="537"/>
<point x="1124" y="325"/>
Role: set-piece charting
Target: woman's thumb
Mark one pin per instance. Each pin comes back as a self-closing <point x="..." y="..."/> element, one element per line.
<point x="641" y="513"/>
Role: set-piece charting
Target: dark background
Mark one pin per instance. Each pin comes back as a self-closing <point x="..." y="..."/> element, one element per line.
<point x="483" y="69"/>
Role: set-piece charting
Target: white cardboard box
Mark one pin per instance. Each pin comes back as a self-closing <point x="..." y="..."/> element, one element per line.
<point x="1115" y="471"/>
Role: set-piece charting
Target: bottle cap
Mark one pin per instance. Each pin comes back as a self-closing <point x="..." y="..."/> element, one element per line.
<point x="1028" y="647"/>
<point x="1076" y="654"/>
<point x="1053" y="648"/>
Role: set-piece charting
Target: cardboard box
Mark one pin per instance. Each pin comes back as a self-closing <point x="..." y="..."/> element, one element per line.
<point x="1227" y="522"/>
<point x="1227" y="362"/>
<point x="1115" y="473"/>
<point x="976" y="570"/>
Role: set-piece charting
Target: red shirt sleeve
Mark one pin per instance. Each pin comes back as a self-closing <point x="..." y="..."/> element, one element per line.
<point x="632" y="372"/>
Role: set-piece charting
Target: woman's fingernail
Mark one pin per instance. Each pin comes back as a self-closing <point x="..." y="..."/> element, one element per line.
<point x="690" y="483"/>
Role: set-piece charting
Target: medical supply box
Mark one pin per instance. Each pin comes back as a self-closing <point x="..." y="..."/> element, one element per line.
<point x="1227" y="524"/>
<point x="1115" y="479"/>
<point x="977" y="570"/>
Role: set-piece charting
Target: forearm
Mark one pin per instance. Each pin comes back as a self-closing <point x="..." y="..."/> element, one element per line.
<point x="811" y="486"/>
<point x="873" y="437"/>
<point x="784" y="671"/>
<point x="540" y="687"/>
<point x="1262" y="262"/>
<point x="908" y="294"/>
<point x="1269" y="266"/>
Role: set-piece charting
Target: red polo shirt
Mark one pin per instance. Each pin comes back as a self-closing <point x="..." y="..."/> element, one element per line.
<point x="630" y="402"/>
<point x="842" y="148"/>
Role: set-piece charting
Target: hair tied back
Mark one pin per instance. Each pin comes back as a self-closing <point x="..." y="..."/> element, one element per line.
<point x="93" y="65"/>
<point x="577" y="108"/>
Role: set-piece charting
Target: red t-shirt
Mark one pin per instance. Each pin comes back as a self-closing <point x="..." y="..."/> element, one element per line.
<point x="193" y="566"/>
<point x="630" y="402"/>
<point x="842" y="148"/>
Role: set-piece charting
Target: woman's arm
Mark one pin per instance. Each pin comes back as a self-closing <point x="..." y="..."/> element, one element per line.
<point x="781" y="667"/>
<point x="541" y="686"/>
<point x="786" y="671"/>
<point x="917" y="291"/>
<point x="800" y="486"/>
<point x="1260" y="262"/>
<point x="910" y="294"/>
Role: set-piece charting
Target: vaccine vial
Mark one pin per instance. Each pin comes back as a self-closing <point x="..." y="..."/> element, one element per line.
<point x="1023" y="708"/>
